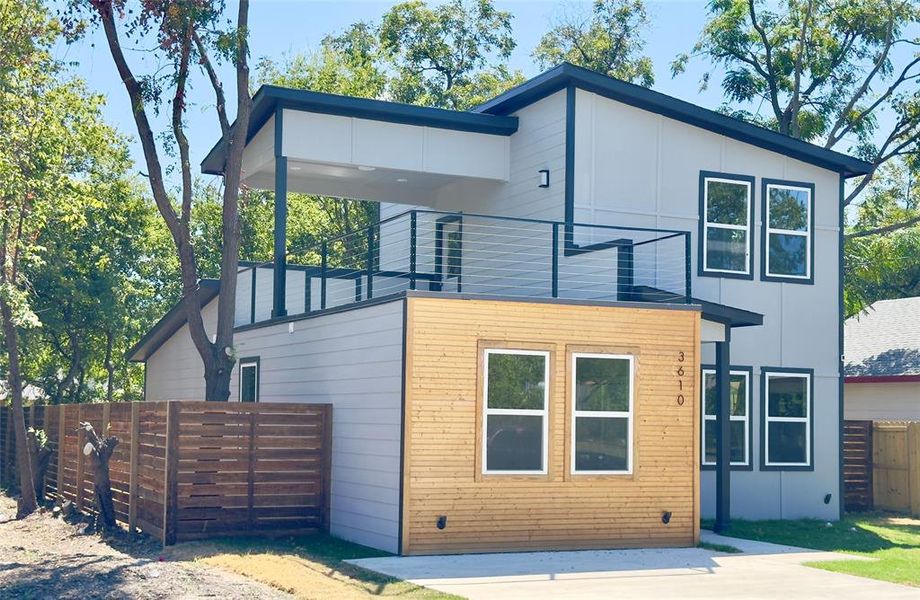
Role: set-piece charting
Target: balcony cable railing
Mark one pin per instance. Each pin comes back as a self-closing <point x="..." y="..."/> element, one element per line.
<point x="445" y="252"/>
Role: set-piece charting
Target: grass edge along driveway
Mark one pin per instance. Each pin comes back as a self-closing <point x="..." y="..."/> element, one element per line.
<point x="307" y="567"/>
<point x="893" y="542"/>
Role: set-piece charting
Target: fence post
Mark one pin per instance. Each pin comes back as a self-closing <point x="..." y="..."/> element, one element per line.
<point x="80" y="462"/>
<point x="327" y="466"/>
<point x="61" y="449"/>
<point x="555" y="260"/>
<point x="251" y="475"/>
<point x="132" y="468"/>
<point x="370" y="262"/>
<point x="170" y="486"/>
<point x="413" y="222"/>
<point x="913" y="467"/>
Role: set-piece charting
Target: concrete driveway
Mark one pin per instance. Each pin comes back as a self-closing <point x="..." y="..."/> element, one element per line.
<point x="763" y="570"/>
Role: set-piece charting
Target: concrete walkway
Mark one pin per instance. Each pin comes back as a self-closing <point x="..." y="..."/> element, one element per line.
<point x="767" y="571"/>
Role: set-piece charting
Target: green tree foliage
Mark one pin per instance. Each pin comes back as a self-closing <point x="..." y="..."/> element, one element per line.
<point x="609" y="39"/>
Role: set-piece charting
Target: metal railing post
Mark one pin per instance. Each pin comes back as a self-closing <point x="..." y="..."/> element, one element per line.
<point x="689" y="275"/>
<point x="370" y="262"/>
<point x="626" y="272"/>
<point x="413" y="220"/>
<point x="555" y="260"/>
<point x="323" y="266"/>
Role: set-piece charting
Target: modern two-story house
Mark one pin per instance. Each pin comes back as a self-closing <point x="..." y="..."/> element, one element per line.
<point x="589" y="315"/>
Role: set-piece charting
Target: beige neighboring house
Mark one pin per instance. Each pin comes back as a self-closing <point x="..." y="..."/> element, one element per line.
<point x="882" y="356"/>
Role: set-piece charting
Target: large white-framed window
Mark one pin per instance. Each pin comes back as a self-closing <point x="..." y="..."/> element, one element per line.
<point x="249" y="380"/>
<point x="727" y="221"/>
<point x="602" y="410"/>
<point x="515" y="411"/>
<point x="739" y="417"/>
<point x="787" y="418"/>
<point x="788" y="224"/>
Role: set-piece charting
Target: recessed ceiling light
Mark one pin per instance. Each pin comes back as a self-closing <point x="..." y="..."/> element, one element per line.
<point x="296" y="168"/>
<point x="366" y="168"/>
<point x="402" y="180"/>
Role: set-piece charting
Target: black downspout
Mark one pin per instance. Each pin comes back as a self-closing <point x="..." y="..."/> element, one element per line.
<point x="723" y="434"/>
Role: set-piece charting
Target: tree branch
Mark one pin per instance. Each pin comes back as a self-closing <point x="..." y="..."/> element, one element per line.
<point x="221" y="101"/>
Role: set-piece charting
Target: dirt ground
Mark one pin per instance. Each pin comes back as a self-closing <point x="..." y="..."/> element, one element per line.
<point x="42" y="557"/>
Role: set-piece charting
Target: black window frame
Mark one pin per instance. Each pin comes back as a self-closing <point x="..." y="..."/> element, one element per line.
<point x="702" y="270"/>
<point x="765" y="372"/>
<point x="765" y="226"/>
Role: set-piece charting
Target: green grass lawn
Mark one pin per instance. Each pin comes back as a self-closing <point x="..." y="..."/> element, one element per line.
<point x="310" y="567"/>
<point x="894" y="543"/>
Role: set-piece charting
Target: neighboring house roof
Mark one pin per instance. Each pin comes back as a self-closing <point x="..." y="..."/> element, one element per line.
<point x="567" y="74"/>
<point x="884" y="341"/>
<point x="170" y="323"/>
<point x="491" y="117"/>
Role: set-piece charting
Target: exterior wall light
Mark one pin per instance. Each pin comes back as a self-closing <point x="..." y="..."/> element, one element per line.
<point x="544" y="178"/>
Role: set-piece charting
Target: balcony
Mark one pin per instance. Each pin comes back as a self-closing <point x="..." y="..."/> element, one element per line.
<point x="462" y="253"/>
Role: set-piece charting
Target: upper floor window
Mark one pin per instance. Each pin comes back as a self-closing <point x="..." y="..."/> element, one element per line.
<point x="726" y="207"/>
<point x="788" y="222"/>
<point x="602" y="392"/>
<point x="739" y="419"/>
<point x="516" y="397"/>
<point x="249" y="380"/>
<point x="787" y="418"/>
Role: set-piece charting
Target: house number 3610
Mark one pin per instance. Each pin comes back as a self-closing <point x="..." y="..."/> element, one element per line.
<point x="680" y="378"/>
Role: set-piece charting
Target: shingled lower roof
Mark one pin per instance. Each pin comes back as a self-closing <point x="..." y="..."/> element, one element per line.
<point x="884" y="341"/>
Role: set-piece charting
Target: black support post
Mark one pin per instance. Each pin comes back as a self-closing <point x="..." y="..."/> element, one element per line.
<point x="279" y="284"/>
<point x="413" y="220"/>
<point x="324" y="266"/>
<point x="370" y="262"/>
<point x="555" y="260"/>
<point x="625" y="272"/>
<point x="723" y="434"/>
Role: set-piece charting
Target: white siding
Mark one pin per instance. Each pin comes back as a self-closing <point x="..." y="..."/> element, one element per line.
<point x="637" y="168"/>
<point x="882" y="401"/>
<point x="352" y="360"/>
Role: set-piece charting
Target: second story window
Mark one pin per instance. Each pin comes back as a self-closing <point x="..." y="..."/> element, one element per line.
<point x="726" y="219"/>
<point x="788" y="223"/>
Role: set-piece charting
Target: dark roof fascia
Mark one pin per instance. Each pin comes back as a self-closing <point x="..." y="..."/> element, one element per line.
<point x="566" y="74"/>
<point x="167" y="326"/>
<point x="271" y="97"/>
<point x="712" y="311"/>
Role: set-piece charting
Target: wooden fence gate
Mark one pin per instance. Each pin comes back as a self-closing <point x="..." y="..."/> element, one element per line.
<point x="857" y="465"/>
<point x="896" y="466"/>
<point x="185" y="470"/>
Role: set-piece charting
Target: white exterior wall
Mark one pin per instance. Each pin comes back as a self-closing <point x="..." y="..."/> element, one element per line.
<point x="638" y="168"/>
<point x="882" y="401"/>
<point x="352" y="360"/>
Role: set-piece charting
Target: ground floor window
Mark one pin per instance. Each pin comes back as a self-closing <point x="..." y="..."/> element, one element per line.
<point x="739" y="402"/>
<point x="787" y="418"/>
<point x="516" y="395"/>
<point x="249" y="380"/>
<point x="602" y="393"/>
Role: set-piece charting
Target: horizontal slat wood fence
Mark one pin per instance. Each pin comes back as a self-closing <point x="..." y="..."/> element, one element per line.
<point x="188" y="470"/>
<point x="857" y="465"/>
<point x="896" y="466"/>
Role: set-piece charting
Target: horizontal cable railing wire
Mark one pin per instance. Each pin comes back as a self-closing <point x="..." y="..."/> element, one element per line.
<point x="487" y="255"/>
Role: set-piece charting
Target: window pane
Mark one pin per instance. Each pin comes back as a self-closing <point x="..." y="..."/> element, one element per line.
<point x="602" y="384"/>
<point x="247" y="383"/>
<point x="514" y="443"/>
<point x="787" y="442"/>
<point x="737" y="441"/>
<point x="726" y="249"/>
<point x="727" y="203"/>
<point x="738" y="391"/>
<point x="601" y="444"/>
<point x="788" y="209"/>
<point x="788" y="396"/>
<point x="709" y="433"/>
<point x="516" y="381"/>
<point x="788" y="254"/>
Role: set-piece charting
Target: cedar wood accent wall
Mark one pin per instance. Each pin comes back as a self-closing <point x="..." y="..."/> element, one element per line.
<point x="442" y="476"/>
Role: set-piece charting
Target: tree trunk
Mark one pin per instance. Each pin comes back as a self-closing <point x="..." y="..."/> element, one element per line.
<point x="27" y="501"/>
<point x="102" y="485"/>
<point x="218" y="370"/>
<point x="40" y="457"/>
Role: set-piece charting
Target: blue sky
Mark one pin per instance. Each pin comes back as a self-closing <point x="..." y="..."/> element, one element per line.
<point x="284" y="27"/>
